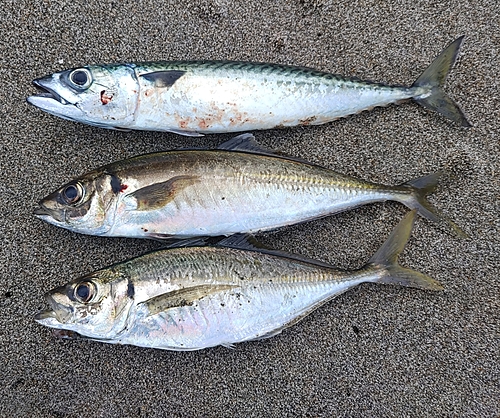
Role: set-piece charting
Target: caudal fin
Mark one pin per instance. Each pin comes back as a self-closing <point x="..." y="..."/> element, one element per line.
<point x="386" y="260"/>
<point x="420" y="188"/>
<point x="433" y="78"/>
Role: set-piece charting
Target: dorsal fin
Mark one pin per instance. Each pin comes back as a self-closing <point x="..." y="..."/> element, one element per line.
<point x="172" y="242"/>
<point x="247" y="143"/>
<point x="246" y="242"/>
<point x="249" y="243"/>
<point x="241" y="242"/>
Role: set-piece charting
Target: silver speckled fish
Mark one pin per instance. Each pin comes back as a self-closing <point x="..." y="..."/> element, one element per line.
<point x="198" y="97"/>
<point x="238" y="188"/>
<point x="198" y="297"/>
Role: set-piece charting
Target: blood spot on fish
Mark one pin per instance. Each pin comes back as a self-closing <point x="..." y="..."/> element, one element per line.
<point x="183" y="124"/>
<point x="203" y="124"/>
<point x="105" y="99"/>
<point x="123" y="188"/>
<point x="148" y="92"/>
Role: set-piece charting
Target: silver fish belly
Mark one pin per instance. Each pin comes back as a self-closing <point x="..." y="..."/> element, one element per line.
<point x="198" y="97"/>
<point x="238" y="188"/>
<point x="193" y="298"/>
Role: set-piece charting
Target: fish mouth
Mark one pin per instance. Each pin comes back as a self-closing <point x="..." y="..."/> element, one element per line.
<point x="46" y="314"/>
<point x="47" y="92"/>
<point x="49" y="215"/>
<point x="41" y="212"/>
<point x="50" y="101"/>
<point x="54" y="317"/>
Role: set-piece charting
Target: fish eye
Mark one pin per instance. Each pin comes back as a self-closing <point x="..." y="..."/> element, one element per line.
<point x="84" y="292"/>
<point x="81" y="78"/>
<point x="72" y="193"/>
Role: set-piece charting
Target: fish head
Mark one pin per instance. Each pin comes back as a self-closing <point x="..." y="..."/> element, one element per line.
<point x="96" y="305"/>
<point x="86" y="205"/>
<point x="99" y="95"/>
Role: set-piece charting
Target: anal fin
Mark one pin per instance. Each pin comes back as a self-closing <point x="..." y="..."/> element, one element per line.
<point x="270" y="334"/>
<point x="184" y="133"/>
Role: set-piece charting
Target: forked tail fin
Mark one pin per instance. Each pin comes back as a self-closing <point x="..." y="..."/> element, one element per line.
<point x="433" y="78"/>
<point x="385" y="261"/>
<point x="420" y="188"/>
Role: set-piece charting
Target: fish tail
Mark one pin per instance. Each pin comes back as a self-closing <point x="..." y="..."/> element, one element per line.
<point x="417" y="199"/>
<point x="433" y="79"/>
<point x="385" y="261"/>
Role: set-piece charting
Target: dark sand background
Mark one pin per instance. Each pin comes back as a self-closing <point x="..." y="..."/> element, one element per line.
<point x="374" y="351"/>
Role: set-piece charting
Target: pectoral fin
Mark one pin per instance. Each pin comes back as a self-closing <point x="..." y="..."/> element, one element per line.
<point x="158" y="195"/>
<point x="181" y="297"/>
<point x="163" y="79"/>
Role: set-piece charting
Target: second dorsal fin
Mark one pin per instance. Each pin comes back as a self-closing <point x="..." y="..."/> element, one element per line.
<point x="245" y="143"/>
<point x="250" y="243"/>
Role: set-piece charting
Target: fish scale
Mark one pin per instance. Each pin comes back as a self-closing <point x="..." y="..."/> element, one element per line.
<point x="227" y="316"/>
